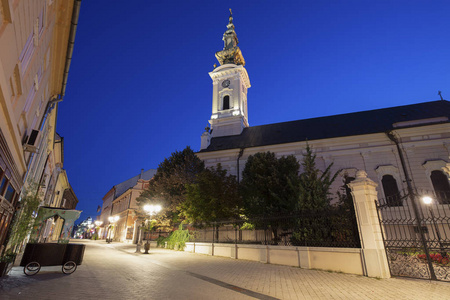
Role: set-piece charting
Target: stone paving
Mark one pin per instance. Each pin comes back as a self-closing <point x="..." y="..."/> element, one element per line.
<point x="114" y="271"/>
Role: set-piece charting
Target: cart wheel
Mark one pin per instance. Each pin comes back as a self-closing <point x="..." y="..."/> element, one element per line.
<point x="32" y="268"/>
<point x="69" y="267"/>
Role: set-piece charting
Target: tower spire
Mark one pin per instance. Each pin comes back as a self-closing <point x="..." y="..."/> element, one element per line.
<point x="231" y="54"/>
<point x="230" y="21"/>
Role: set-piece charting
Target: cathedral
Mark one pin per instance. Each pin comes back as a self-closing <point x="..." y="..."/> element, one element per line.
<point x="400" y="148"/>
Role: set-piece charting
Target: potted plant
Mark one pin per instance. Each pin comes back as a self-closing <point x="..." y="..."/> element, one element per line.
<point x="6" y="263"/>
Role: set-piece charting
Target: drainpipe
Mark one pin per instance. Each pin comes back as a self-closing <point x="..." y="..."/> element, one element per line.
<point x="241" y="152"/>
<point x="411" y="194"/>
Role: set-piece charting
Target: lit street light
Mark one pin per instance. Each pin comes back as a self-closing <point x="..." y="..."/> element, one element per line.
<point x="112" y="221"/>
<point x="428" y="201"/>
<point x="151" y="210"/>
<point x="97" y="223"/>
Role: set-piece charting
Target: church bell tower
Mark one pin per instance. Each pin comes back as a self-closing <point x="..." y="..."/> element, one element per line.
<point x="230" y="84"/>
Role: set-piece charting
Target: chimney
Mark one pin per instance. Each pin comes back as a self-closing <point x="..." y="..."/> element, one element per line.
<point x="142" y="174"/>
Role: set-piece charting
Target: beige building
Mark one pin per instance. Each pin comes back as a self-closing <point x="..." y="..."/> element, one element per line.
<point x="36" y="44"/>
<point x="120" y="202"/>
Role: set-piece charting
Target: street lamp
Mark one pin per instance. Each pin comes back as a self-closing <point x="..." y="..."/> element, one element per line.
<point x="428" y="201"/>
<point x="112" y="220"/>
<point x="89" y="233"/>
<point x="151" y="210"/>
<point x="97" y="223"/>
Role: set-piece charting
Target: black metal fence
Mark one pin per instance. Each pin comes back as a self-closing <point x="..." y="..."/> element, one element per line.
<point x="417" y="235"/>
<point x="331" y="227"/>
<point x="153" y="235"/>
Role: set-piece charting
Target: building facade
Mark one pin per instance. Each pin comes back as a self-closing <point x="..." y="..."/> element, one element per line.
<point x="36" y="38"/>
<point x="120" y="203"/>
<point x="394" y="145"/>
<point x="394" y="162"/>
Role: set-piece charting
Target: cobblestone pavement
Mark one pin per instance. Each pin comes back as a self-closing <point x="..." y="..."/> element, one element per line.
<point x="114" y="271"/>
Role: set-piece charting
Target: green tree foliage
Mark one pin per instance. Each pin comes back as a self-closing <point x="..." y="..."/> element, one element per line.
<point x="168" y="187"/>
<point x="345" y="219"/>
<point x="269" y="187"/>
<point x="314" y="224"/>
<point x="314" y="184"/>
<point x="23" y="219"/>
<point x="177" y="239"/>
<point x="213" y="197"/>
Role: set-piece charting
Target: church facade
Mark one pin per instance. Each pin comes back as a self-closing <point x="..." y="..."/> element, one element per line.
<point x="400" y="148"/>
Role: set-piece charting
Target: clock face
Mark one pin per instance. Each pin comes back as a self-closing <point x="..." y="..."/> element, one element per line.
<point x="226" y="83"/>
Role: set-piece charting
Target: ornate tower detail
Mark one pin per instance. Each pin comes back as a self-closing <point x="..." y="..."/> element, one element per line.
<point x="230" y="84"/>
<point x="231" y="54"/>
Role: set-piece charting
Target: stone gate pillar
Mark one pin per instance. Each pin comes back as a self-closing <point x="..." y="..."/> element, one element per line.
<point x="373" y="252"/>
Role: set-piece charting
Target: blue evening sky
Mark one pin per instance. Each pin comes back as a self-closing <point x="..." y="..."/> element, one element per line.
<point x="139" y="87"/>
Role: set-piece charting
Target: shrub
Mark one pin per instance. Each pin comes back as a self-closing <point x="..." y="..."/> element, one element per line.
<point x="177" y="239"/>
<point x="161" y="241"/>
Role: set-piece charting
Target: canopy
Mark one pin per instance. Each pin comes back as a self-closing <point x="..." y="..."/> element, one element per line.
<point x="68" y="215"/>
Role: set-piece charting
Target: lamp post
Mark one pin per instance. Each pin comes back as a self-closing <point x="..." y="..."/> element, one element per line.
<point x="151" y="210"/>
<point x="112" y="220"/>
<point x="428" y="200"/>
<point x="97" y="223"/>
<point x="89" y="232"/>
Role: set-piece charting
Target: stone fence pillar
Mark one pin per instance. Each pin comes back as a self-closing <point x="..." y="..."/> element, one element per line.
<point x="364" y="193"/>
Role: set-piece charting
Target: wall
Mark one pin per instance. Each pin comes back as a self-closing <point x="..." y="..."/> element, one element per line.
<point x="345" y="260"/>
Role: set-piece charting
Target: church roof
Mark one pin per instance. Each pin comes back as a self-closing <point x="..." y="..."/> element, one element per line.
<point x="358" y="123"/>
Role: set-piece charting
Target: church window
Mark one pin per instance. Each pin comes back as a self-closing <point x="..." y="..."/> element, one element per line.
<point x="348" y="191"/>
<point x="226" y="102"/>
<point x="441" y="186"/>
<point x="391" y="191"/>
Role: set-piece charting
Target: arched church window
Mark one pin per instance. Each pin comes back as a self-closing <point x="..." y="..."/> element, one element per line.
<point x="441" y="186"/>
<point x="391" y="191"/>
<point x="226" y="102"/>
<point x="348" y="191"/>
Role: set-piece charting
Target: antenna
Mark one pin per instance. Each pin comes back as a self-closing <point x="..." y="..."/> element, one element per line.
<point x="440" y="95"/>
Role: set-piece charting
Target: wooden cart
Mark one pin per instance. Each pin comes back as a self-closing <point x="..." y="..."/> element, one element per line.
<point x="38" y="255"/>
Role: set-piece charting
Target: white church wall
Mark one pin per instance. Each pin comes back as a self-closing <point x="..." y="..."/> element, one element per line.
<point x="364" y="152"/>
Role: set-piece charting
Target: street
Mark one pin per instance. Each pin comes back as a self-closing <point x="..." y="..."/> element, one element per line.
<point x="114" y="271"/>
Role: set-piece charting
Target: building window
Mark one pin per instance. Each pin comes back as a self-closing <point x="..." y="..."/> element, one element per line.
<point x="9" y="195"/>
<point x="391" y="192"/>
<point x="226" y="102"/>
<point x="441" y="186"/>
<point x="27" y="52"/>
<point x="3" y="183"/>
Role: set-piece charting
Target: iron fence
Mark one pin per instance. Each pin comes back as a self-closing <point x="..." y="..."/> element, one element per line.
<point x="417" y="235"/>
<point x="333" y="227"/>
<point x="153" y="235"/>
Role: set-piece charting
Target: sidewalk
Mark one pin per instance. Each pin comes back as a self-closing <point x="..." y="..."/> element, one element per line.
<point x="284" y="282"/>
<point x="114" y="271"/>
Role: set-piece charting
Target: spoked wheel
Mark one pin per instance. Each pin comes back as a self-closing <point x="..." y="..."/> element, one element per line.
<point x="32" y="268"/>
<point x="69" y="267"/>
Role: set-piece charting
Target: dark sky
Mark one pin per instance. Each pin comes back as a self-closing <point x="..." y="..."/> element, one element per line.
<point x="139" y="87"/>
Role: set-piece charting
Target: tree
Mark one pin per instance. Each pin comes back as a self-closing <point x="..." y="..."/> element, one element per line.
<point x="168" y="187"/>
<point x="269" y="188"/>
<point x="313" y="224"/>
<point x="314" y="184"/>
<point x="23" y="219"/>
<point x="213" y="197"/>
